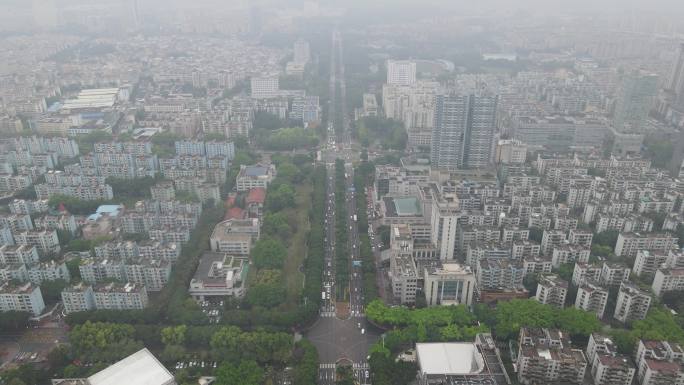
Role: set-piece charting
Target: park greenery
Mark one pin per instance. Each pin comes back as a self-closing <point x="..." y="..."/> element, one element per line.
<point x="387" y="133"/>
<point x="242" y="354"/>
<point x="286" y="139"/>
<point x="266" y="304"/>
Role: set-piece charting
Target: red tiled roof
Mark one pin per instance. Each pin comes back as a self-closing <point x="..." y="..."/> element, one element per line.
<point x="663" y="366"/>
<point x="235" y="213"/>
<point x="256" y="195"/>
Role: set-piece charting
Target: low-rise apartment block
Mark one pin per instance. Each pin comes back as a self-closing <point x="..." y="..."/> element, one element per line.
<point x="545" y="357"/>
<point x="552" y="290"/>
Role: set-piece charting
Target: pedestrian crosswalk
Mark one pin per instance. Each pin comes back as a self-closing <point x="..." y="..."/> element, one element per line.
<point x="327" y="314"/>
<point x="327" y="373"/>
<point x="355" y="365"/>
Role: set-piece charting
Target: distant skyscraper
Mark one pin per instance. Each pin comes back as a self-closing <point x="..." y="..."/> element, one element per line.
<point x="401" y="72"/>
<point x="675" y="82"/>
<point x="463" y="132"/>
<point x="254" y="22"/>
<point x="134" y="14"/>
<point x="634" y="101"/>
<point x="301" y="51"/>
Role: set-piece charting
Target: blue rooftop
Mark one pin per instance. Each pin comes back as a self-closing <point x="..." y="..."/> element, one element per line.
<point x="111" y="210"/>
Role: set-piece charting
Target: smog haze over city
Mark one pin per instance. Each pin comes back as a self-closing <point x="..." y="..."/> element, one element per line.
<point x="341" y="192"/>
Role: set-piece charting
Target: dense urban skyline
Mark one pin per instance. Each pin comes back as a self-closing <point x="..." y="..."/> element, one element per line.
<point x="387" y="192"/>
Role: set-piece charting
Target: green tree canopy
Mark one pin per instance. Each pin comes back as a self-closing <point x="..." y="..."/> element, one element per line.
<point x="246" y="373"/>
<point x="173" y="335"/>
<point x="268" y="253"/>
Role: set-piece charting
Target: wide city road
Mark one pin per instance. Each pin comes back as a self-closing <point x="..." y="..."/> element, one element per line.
<point x="341" y="341"/>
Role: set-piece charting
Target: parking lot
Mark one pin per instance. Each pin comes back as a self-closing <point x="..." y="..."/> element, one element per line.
<point x="213" y="310"/>
<point x="32" y="345"/>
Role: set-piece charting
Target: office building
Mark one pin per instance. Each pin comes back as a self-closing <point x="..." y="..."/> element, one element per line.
<point x="235" y="236"/>
<point x="264" y="87"/>
<point x="444" y="222"/>
<point x="254" y="176"/>
<point x="401" y="72"/>
<point x="219" y="275"/>
<point x="545" y="357"/>
<point x="463" y="132"/>
<point x="451" y="284"/>
<point x="632" y="303"/>
<point x="404" y="276"/>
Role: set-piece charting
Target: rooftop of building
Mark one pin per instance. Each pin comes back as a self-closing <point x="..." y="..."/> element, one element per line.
<point x="12" y="288"/>
<point x="215" y="268"/>
<point x="402" y="207"/>
<point x="674" y="272"/>
<point x="111" y="210"/>
<point x="256" y="195"/>
<point x="117" y="287"/>
<point x="140" y="368"/>
<point x="404" y="265"/>
<point x="78" y="288"/>
<point x="449" y="269"/>
<point x="255" y="171"/>
<point x="232" y="227"/>
<point x="553" y="280"/>
<point x="454" y="358"/>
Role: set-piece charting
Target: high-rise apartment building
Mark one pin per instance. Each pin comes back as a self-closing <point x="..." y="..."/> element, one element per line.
<point x="634" y="101"/>
<point x="401" y="72"/>
<point x="675" y="82"/>
<point x="463" y="132"/>
<point x="302" y="52"/>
